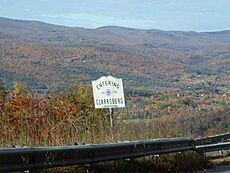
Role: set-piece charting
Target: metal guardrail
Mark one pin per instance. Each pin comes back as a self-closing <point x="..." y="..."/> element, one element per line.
<point x="19" y="159"/>
<point x="213" y="147"/>
<point x="32" y="158"/>
<point x="212" y="139"/>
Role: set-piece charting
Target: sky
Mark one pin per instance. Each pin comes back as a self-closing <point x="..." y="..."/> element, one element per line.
<point x="180" y="15"/>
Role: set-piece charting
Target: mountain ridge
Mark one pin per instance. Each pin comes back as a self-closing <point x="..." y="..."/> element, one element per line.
<point x="9" y="25"/>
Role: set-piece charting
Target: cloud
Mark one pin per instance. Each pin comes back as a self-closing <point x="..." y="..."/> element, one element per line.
<point x="94" y="21"/>
<point x="26" y="9"/>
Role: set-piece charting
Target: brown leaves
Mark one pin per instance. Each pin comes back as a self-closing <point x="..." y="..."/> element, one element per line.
<point x="49" y="121"/>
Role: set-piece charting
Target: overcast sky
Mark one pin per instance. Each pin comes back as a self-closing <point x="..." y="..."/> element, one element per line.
<point x="184" y="15"/>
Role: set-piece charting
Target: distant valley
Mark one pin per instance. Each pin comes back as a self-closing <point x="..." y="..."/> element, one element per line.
<point x="46" y="56"/>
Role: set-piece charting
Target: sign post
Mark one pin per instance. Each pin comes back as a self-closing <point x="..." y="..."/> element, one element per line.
<point x="108" y="93"/>
<point x="111" y="117"/>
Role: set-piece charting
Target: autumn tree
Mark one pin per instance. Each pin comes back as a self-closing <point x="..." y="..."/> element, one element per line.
<point x="3" y="92"/>
<point x="20" y="90"/>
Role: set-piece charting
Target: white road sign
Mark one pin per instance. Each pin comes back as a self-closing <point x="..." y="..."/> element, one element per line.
<point x="108" y="92"/>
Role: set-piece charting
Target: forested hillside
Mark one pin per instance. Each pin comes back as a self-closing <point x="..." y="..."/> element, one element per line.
<point x="44" y="56"/>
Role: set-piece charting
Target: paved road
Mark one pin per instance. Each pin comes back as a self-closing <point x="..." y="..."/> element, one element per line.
<point x="218" y="169"/>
